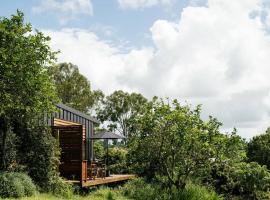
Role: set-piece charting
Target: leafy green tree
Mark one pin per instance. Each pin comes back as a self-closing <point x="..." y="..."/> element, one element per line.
<point x="73" y="88"/>
<point x="259" y="149"/>
<point x="27" y="94"/>
<point x="171" y="142"/>
<point x="174" y="143"/>
<point x="120" y="109"/>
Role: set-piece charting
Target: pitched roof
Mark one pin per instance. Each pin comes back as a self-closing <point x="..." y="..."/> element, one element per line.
<point x="76" y="112"/>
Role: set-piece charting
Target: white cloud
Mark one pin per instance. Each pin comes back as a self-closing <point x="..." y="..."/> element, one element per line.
<point x="216" y="55"/>
<point x="65" y="9"/>
<point x="140" y="4"/>
<point x="102" y="63"/>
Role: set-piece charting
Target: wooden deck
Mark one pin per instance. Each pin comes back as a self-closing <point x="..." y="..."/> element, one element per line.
<point x="107" y="180"/>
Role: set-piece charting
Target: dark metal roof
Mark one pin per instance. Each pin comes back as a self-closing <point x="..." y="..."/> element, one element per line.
<point x="107" y="135"/>
<point x="76" y="112"/>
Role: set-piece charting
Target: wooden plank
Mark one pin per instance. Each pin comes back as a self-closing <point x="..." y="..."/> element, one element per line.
<point x="84" y="172"/>
<point x="107" y="180"/>
<point x="60" y="122"/>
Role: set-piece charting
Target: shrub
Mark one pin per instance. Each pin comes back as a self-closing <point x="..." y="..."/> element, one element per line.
<point x="241" y="179"/>
<point x="99" y="150"/>
<point x="259" y="149"/>
<point x="15" y="184"/>
<point x="117" y="160"/>
<point x="252" y="180"/>
<point x="194" y="192"/>
<point x="59" y="187"/>
<point x="104" y="193"/>
<point x="139" y="190"/>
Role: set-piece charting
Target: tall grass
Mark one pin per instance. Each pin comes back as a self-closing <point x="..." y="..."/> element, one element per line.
<point x="99" y="194"/>
<point x="139" y="190"/>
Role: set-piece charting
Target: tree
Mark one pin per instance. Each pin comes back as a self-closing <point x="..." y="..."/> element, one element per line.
<point x="259" y="149"/>
<point x="174" y="143"/>
<point x="73" y="88"/>
<point x="120" y="109"/>
<point x="26" y="93"/>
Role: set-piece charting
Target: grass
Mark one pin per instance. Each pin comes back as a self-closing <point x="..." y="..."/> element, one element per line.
<point x="100" y="194"/>
<point x="136" y="189"/>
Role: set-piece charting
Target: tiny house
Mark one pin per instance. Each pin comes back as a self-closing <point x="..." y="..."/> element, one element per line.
<point x="74" y="131"/>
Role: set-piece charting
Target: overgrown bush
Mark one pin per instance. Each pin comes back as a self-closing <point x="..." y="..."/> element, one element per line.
<point x="105" y="193"/>
<point x="252" y="180"/>
<point x="138" y="189"/>
<point x="259" y="149"/>
<point x="59" y="187"/>
<point x="195" y="192"/>
<point x="41" y="155"/>
<point x="99" y="150"/>
<point x="249" y="180"/>
<point x="16" y="185"/>
<point x="117" y="160"/>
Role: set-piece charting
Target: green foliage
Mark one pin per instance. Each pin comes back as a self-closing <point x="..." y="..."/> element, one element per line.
<point x="16" y="185"/>
<point x="27" y="95"/>
<point x="10" y="151"/>
<point x="259" y="149"/>
<point x="194" y="192"/>
<point x="120" y="109"/>
<point x="251" y="179"/>
<point x="59" y="187"/>
<point x="104" y="193"/>
<point x="99" y="151"/>
<point x="40" y="153"/>
<point x="116" y="156"/>
<point x="241" y="179"/>
<point x="117" y="160"/>
<point x="138" y="189"/>
<point x="173" y="141"/>
<point x="73" y="88"/>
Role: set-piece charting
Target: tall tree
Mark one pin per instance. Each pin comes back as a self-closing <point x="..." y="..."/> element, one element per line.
<point x="26" y="90"/>
<point x="259" y="149"/>
<point x="120" y="109"/>
<point x="173" y="142"/>
<point x="73" y="88"/>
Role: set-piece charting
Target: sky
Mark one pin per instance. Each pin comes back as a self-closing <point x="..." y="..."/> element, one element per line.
<point x="210" y="52"/>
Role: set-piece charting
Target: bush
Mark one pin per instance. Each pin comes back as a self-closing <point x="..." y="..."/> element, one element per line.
<point x="15" y="184"/>
<point x="139" y="190"/>
<point x="252" y="180"/>
<point x="259" y="149"/>
<point x="104" y="193"/>
<point x="60" y="188"/>
<point x="249" y="180"/>
<point x="117" y="160"/>
<point x="194" y="192"/>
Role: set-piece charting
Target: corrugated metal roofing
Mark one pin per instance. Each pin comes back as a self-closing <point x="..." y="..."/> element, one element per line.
<point x="79" y="113"/>
<point x="107" y="135"/>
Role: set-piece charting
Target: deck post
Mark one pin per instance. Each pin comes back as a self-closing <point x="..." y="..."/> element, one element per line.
<point x="84" y="173"/>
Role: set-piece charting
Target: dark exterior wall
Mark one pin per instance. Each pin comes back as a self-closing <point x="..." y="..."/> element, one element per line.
<point x="69" y="114"/>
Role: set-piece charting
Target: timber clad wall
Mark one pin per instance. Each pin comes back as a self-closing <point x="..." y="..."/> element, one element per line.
<point x="75" y="117"/>
<point x="72" y="142"/>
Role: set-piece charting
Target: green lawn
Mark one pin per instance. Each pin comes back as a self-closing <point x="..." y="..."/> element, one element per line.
<point x="101" y="194"/>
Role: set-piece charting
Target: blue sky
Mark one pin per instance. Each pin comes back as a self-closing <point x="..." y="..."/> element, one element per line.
<point x="130" y="25"/>
<point x="209" y="52"/>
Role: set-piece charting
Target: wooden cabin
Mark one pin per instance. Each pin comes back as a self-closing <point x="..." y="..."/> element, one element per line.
<point x="74" y="131"/>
